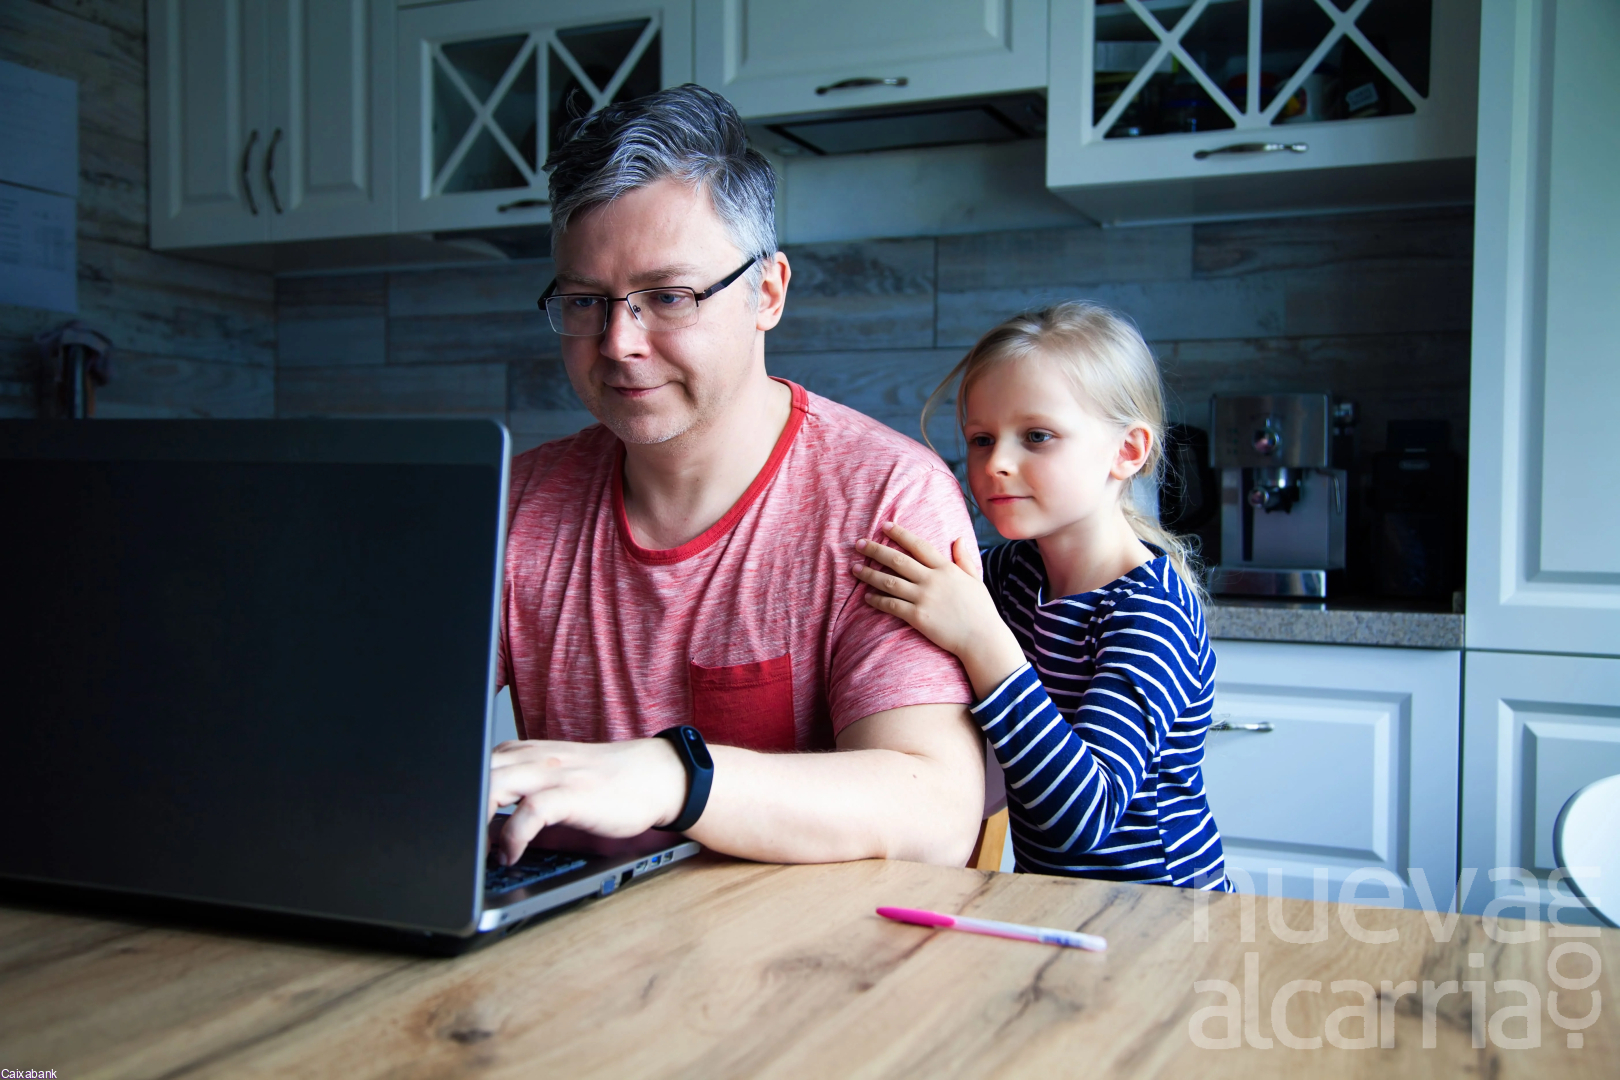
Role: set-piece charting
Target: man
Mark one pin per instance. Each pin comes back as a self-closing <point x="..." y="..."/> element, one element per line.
<point x="687" y="561"/>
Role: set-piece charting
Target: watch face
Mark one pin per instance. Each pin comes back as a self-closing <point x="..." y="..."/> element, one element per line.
<point x="694" y="744"/>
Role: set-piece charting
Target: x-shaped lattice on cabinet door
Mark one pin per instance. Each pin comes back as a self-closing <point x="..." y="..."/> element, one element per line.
<point x="496" y="101"/>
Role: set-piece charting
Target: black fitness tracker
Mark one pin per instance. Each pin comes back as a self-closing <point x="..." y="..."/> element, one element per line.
<point x="694" y="754"/>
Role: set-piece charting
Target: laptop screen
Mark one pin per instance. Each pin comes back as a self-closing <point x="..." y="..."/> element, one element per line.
<point x="250" y="662"/>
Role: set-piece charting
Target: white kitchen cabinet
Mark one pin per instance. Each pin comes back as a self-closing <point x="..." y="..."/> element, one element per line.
<point x="1167" y="110"/>
<point x="207" y="90"/>
<point x="786" y="57"/>
<point x="329" y="165"/>
<point x="484" y="85"/>
<point x="1544" y="479"/>
<point x="1537" y="729"/>
<point x="270" y="120"/>
<point x="1358" y="769"/>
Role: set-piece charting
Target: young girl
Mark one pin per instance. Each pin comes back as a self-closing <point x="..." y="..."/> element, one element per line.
<point x="1085" y="642"/>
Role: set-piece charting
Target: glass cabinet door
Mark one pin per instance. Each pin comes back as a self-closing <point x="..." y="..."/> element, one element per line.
<point x="1165" y="67"/>
<point x="490" y="85"/>
<point x="499" y="103"/>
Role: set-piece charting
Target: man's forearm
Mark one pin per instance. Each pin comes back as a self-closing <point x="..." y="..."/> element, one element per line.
<point x="921" y="803"/>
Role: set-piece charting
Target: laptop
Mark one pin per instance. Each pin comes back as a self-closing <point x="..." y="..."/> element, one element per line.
<point x="249" y="667"/>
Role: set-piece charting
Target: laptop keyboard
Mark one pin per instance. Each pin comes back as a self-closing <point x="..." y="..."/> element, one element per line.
<point x="533" y="868"/>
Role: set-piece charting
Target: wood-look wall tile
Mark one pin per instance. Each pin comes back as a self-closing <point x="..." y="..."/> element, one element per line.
<point x="1078" y="255"/>
<point x="887" y="385"/>
<point x="332" y="296"/>
<point x="469" y="290"/>
<point x="1397" y="297"/>
<point x="112" y="188"/>
<point x="109" y="65"/>
<point x="331" y="342"/>
<point x="1390" y="376"/>
<point x="470" y="339"/>
<point x="1410" y="237"/>
<point x="393" y="390"/>
<point x="540" y="385"/>
<point x="873" y="295"/>
<point x="152" y="303"/>
<point x="128" y="16"/>
<point x="1218" y="308"/>
<point x="145" y="386"/>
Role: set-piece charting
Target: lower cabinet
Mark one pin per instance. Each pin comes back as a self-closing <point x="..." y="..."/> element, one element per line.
<point x="1538" y="728"/>
<point x="1336" y="777"/>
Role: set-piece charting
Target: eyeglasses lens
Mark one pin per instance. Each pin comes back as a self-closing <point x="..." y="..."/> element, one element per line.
<point x="653" y="309"/>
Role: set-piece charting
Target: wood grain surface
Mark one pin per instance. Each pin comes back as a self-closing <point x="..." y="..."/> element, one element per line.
<point x="727" y="969"/>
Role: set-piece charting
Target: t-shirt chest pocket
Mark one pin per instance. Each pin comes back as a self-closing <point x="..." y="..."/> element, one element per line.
<point x="746" y="705"/>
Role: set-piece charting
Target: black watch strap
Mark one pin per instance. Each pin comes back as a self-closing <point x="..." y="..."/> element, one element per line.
<point x="694" y="754"/>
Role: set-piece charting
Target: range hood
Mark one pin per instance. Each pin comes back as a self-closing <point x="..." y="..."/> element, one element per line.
<point x="1002" y="118"/>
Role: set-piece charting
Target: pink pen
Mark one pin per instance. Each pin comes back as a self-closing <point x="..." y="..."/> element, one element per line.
<point x="1018" y="932"/>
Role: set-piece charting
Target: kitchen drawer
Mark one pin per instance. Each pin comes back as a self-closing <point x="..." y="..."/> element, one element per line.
<point x="1358" y="769"/>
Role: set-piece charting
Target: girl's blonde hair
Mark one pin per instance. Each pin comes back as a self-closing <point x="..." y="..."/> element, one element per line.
<point x="1114" y="375"/>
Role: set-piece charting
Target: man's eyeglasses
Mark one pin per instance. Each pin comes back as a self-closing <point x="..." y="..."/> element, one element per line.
<point x="671" y="307"/>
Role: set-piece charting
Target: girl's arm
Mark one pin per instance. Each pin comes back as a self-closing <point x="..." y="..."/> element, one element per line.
<point x="1073" y="784"/>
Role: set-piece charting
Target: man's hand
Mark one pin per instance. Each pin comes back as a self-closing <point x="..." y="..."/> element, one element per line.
<point x="610" y="789"/>
<point x="944" y="600"/>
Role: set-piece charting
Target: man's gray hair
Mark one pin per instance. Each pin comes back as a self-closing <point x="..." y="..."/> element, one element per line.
<point x="687" y="133"/>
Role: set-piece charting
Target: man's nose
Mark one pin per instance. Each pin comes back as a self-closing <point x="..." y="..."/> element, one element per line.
<point x="623" y="337"/>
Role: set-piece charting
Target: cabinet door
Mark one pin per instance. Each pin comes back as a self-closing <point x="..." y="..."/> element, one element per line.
<point x="1544" y="478"/>
<point x="207" y="117"/>
<point x="328" y="168"/>
<point x="1537" y="730"/>
<point x="779" y="57"/>
<point x="1358" y="769"/>
<point x="485" y="85"/>
<point x="1176" y="109"/>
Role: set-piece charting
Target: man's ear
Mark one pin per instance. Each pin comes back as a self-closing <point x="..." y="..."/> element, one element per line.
<point x="773" y="292"/>
<point x="1134" y="448"/>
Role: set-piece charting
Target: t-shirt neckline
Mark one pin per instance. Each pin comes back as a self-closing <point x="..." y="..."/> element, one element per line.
<point x="705" y="539"/>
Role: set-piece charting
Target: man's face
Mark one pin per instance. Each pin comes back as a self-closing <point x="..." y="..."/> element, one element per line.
<point x="650" y="387"/>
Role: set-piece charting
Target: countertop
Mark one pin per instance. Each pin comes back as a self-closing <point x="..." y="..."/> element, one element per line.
<point x="1334" y="623"/>
<point x="731" y="969"/>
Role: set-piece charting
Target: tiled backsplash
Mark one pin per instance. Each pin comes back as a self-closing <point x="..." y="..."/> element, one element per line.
<point x="1371" y="307"/>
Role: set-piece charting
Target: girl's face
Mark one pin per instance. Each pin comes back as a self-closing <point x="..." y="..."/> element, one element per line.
<point x="1038" y="460"/>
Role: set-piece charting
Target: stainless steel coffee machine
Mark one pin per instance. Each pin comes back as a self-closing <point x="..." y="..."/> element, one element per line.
<point x="1282" y="507"/>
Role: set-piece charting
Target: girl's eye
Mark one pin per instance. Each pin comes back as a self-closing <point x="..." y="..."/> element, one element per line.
<point x="1039" y="436"/>
<point x="981" y="441"/>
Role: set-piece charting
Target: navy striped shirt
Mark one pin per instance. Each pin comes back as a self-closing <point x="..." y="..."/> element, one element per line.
<point x="1101" y="733"/>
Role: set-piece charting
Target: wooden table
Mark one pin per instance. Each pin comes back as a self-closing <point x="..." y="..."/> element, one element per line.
<point x="720" y="969"/>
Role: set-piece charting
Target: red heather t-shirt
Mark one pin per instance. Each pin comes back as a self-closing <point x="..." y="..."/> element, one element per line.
<point x="755" y="631"/>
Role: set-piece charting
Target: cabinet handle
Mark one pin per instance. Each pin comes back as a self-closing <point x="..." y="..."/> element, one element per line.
<point x="247" y="177"/>
<point x="855" y="84"/>
<point x="522" y="204"/>
<point x="270" y="170"/>
<point x="1254" y="148"/>
<point x="1262" y="726"/>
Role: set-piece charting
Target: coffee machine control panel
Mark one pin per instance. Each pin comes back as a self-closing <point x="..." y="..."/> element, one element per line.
<point x="1269" y="431"/>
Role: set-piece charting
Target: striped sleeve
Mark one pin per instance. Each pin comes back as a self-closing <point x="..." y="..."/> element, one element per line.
<point x="1074" y="778"/>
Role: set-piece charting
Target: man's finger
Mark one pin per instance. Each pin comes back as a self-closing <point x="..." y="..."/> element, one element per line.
<point x="523" y="825"/>
<point x="922" y="549"/>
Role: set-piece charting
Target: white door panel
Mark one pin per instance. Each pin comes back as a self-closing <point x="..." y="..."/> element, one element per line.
<point x="1544" y="492"/>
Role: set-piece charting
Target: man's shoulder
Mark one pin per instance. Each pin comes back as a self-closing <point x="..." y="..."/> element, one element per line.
<point x="843" y="438"/>
<point x="563" y="464"/>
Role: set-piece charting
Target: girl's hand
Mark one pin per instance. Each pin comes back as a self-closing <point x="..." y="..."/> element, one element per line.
<point x="944" y="599"/>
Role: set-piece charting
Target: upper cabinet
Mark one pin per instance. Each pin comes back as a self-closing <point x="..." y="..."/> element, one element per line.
<point x="270" y="120"/>
<point x="485" y="86"/>
<point x="787" y="57"/>
<point x="1543" y="477"/>
<point x="1175" y="109"/>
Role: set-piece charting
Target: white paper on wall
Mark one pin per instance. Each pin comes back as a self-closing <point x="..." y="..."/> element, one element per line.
<point x="38" y="251"/>
<point x="39" y="130"/>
